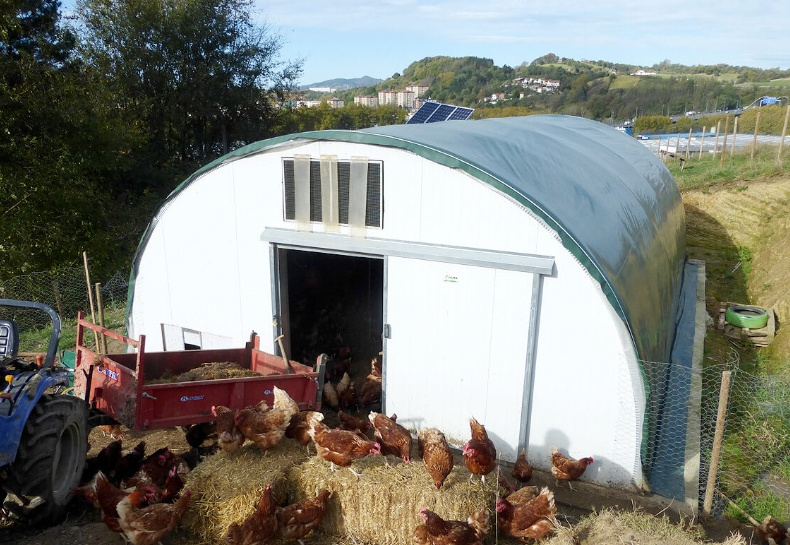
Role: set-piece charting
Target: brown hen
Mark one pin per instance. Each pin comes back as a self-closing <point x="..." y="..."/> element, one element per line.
<point x="352" y="423"/>
<point x="393" y="438"/>
<point x="148" y="525"/>
<point x="300" y="425"/>
<point x="258" y="528"/>
<point x="479" y="452"/>
<point x="523" y="495"/>
<point x="229" y="438"/>
<point x="340" y="447"/>
<point x="105" y="496"/>
<point x="436" y="455"/>
<point x="267" y="427"/>
<point x="295" y="521"/>
<point x="437" y="531"/>
<point x="371" y="388"/>
<point x="533" y="519"/>
<point x="565" y="468"/>
<point x="771" y="531"/>
<point x="522" y="471"/>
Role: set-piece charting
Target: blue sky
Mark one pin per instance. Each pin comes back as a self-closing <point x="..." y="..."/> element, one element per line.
<point x="355" y="38"/>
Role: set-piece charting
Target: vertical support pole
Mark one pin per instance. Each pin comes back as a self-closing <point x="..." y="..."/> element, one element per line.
<point x="724" y="393"/>
<point x="100" y="306"/>
<point x="702" y="141"/>
<point x="90" y="297"/>
<point x="784" y="132"/>
<point x="716" y="145"/>
<point x="688" y="145"/>
<point x="756" y="127"/>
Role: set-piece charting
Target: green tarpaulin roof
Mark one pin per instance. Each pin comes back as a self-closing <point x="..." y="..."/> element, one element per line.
<point x="614" y="204"/>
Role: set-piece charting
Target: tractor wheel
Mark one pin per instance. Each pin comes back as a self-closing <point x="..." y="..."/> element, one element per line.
<point x="49" y="463"/>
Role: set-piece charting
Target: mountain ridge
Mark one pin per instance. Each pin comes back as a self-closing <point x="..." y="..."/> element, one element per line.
<point x="343" y="84"/>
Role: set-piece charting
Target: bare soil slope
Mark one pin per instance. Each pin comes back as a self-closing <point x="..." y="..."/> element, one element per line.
<point x="741" y="230"/>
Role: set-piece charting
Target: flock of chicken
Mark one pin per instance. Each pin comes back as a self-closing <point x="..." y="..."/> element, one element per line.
<point x="143" y="498"/>
<point x="139" y="496"/>
<point x="526" y="513"/>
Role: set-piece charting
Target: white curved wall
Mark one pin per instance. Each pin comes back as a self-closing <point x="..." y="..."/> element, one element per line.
<point x="206" y="268"/>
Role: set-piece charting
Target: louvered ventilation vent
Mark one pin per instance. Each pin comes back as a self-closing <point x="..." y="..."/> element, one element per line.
<point x="373" y="203"/>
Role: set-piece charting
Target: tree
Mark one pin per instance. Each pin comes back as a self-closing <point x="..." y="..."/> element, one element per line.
<point x="199" y="76"/>
<point x="31" y="27"/>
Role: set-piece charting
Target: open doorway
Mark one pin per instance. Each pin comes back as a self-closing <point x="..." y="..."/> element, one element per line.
<point x="330" y="303"/>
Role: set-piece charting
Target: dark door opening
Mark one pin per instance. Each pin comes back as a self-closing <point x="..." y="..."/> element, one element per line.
<point x="329" y="301"/>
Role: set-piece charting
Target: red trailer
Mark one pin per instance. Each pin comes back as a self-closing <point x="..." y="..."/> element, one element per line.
<point x="118" y="385"/>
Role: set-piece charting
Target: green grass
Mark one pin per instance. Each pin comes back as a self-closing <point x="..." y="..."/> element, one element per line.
<point x="624" y="82"/>
<point x="37" y="340"/>
<point x="709" y="171"/>
<point x="783" y="83"/>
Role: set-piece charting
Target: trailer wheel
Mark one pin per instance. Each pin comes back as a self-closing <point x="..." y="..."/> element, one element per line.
<point x="49" y="463"/>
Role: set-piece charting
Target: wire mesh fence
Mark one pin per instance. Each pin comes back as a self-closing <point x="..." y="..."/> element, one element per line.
<point x="754" y="467"/>
<point x="65" y="290"/>
<point x="752" y="457"/>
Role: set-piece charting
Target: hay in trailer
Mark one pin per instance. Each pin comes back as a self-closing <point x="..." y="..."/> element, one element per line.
<point x="226" y="487"/>
<point x="381" y="506"/>
<point x="212" y="370"/>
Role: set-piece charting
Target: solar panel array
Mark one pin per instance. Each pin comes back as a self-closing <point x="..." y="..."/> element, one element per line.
<point x="431" y="112"/>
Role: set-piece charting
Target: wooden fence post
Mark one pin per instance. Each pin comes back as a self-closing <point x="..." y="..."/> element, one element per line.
<point x="716" y="145"/>
<point x="100" y="306"/>
<point x="58" y="298"/>
<point x="701" y="142"/>
<point x="756" y="127"/>
<point x="718" y="437"/>
<point x="784" y="132"/>
<point x="90" y="296"/>
<point x="734" y="133"/>
<point x="688" y="146"/>
<point x="724" y="144"/>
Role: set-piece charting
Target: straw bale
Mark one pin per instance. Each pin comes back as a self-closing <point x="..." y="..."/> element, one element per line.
<point x="381" y="506"/>
<point x="226" y="487"/>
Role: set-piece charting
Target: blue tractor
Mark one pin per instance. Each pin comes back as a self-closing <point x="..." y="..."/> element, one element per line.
<point x="43" y="430"/>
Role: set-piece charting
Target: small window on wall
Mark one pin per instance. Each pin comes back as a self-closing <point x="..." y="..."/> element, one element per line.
<point x="340" y="196"/>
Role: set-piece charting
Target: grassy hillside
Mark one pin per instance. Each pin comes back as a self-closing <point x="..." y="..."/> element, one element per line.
<point x="738" y="221"/>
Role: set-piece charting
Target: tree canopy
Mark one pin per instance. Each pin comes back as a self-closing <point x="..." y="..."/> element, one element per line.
<point x="100" y="121"/>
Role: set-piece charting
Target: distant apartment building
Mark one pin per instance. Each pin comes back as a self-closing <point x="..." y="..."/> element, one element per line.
<point x="322" y="89"/>
<point x="388" y="97"/>
<point x="366" y="100"/>
<point x="308" y="103"/>
<point x="333" y="103"/>
<point x="405" y="99"/>
<point x="417" y="89"/>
